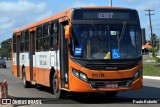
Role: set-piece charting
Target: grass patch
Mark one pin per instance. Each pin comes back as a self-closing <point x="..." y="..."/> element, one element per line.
<point x="151" y="70"/>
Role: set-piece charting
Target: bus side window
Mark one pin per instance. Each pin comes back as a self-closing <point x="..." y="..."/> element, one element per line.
<point x="26" y="41"/>
<point x="46" y="36"/>
<point x="22" y="41"/>
<point x="14" y="43"/>
<point x="39" y="39"/>
<point x="54" y="36"/>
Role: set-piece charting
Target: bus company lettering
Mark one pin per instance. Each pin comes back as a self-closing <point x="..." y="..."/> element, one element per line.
<point x="42" y="56"/>
<point x="105" y="15"/>
<point x="22" y="57"/>
<point x="42" y="62"/>
<point x="42" y="59"/>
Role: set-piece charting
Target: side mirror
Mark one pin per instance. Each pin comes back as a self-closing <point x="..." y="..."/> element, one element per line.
<point x="67" y="32"/>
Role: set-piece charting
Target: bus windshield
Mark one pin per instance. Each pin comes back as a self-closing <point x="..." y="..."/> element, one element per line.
<point x="106" y="41"/>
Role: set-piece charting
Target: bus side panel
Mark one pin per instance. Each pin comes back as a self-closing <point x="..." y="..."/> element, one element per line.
<point x="34" y="68"/>
<point x="47" y="76"/>
<point x="42" y="76"/>
<point x="44" y="62"/>
<point x="24" y="61"/>
<point x="14" y="64"/>
<point x="14" y="70"/>
<point x="34" y="73"/>
<point x="20" y="70"/>
<point x="27" y="73"/>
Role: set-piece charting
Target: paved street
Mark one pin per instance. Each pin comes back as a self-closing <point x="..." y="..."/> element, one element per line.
<point x="151" y="89"/>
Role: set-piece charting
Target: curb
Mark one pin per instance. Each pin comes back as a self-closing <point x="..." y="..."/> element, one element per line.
<point x="151" y="61"/>
<point x="152" y="77"/>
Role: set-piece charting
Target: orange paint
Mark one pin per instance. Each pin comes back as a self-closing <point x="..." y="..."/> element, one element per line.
<point x="42" y="76"/>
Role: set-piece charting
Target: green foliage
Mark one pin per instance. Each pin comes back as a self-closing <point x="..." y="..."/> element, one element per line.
<point x="154" y="51"/>
<point x="5" y="50"/>
<point x="151" y="70"/>
<point x="157" y="60"/>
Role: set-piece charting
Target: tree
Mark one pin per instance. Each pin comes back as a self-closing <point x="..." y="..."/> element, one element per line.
<point x="5" y="50"/>
<point x="155" y="40"/>
<point x="154" y="50"/>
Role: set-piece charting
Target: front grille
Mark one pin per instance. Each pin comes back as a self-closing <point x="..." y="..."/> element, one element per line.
<point x="102" y="84"/>
<point x="110" y="66"/>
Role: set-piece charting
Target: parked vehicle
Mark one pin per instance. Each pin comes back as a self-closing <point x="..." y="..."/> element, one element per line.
<point x="2" y="63"/>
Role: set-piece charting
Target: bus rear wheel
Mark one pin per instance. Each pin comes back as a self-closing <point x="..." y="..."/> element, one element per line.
<point x="57" y="92"/>
<point x="26" y="84"/>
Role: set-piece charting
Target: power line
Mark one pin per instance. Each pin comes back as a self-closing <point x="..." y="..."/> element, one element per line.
<point x="149" y="14"/>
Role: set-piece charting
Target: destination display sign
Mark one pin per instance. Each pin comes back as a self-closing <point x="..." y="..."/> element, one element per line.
<point x="103" y="14"/>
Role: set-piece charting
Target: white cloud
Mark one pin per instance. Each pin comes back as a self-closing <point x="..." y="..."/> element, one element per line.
<point x="82" y="4"/>
<point x="73" y="5"/>
<point x="21" y="13"/>
<point x="21" y="7"/>
<point x="7" y="25"/>
<point x="4" y="19"/>
<point x="14" y="15"/>
<point x="151" y="4"/>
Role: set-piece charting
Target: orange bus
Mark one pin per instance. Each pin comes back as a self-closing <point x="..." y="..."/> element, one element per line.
<point x="87" y="49"/>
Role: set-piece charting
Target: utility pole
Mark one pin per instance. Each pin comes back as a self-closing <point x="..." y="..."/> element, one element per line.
<point x="110" y="2"/>
<point x="149" y="14"/>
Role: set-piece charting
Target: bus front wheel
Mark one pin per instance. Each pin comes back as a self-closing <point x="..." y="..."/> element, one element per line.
<point x="57" y="92"/>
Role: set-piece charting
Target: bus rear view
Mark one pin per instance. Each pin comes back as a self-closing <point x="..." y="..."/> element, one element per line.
<point x="105" y="50"/>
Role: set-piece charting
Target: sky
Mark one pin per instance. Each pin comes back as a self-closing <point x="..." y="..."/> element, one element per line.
<point x="17" y="13"/>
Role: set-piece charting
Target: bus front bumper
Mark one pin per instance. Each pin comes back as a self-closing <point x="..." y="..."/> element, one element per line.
<point x="78" y="85"/>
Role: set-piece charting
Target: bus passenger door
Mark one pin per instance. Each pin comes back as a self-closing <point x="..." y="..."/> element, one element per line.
<point x="63" y="55"/>
<point x="32" y="53"/>
<point x="18" y="55"/>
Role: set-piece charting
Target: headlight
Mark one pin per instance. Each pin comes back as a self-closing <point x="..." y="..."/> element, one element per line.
<point x="80" y="75"/>
<point x="138" y="73"/>
<point x="75" y="72"/>
<point x="83" y="77"/>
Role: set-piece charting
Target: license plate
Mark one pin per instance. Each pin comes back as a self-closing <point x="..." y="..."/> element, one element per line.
<point x="112" y="85"/>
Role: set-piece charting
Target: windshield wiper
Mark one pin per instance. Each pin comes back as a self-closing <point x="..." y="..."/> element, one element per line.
<point x="93" y="26"/>
<point x="122" y="34"/>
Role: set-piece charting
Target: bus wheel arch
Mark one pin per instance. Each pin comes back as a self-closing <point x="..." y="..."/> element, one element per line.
<point x="26" y="83"/>
<point x="54" y="84"/>
<point x="52" y="71"/>
<point x="56" y="89"/>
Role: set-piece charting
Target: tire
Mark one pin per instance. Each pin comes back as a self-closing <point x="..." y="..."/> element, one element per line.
<point x="26" y="84"/>
<point x="60" y="94"/>
<point x="111" y="94"/>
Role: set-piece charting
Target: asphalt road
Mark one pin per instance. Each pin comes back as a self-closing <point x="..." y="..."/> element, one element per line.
<point x="150" y="91"/>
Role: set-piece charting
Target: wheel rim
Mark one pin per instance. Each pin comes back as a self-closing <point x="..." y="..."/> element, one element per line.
<point x="55" y="84"/>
